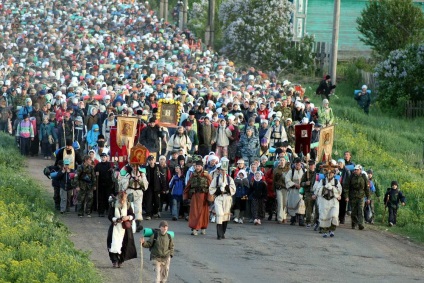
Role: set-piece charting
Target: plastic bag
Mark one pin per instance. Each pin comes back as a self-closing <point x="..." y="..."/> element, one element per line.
<point x="368" y="213"/>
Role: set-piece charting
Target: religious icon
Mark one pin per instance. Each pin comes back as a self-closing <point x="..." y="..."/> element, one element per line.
<point x="325" y="146"/>
<point x="138" y="155"/>
<point x="169" y="112"/>
<point x="304" y="133"/>
<point x="126" y="131"/>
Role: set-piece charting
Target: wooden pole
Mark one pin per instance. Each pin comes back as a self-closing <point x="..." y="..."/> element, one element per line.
<point x="185" y="11"/>
<point x="335" y="42"/>
<point x="165" y="15"/>
<point x="161" y="9"/>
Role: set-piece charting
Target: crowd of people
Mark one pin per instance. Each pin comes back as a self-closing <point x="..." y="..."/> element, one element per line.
<point x="69" y="69"/>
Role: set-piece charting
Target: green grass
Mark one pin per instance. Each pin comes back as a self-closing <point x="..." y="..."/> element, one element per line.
<point x="34" y="246"/>
<point x="391" y="146"/>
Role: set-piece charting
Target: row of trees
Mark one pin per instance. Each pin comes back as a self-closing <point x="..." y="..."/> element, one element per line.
<point x="394" y="29"/>
<point x="260" y="33"/>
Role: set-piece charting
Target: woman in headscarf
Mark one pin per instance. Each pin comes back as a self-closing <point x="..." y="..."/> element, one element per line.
<point x="120" y="241"/>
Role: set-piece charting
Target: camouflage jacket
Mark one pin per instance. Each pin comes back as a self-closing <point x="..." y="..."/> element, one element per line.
<point x="199" y="182"/>
<point x="358" y="187"/>
<point x="86" y="177"/>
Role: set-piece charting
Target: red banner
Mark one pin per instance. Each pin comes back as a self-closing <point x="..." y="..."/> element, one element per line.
<point x="303" y="135"/>
<point x="117" y="153"/>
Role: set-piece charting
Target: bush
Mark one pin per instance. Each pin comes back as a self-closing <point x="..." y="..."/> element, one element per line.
<point x="400" y="77"/>
<point x="34" y="246"/>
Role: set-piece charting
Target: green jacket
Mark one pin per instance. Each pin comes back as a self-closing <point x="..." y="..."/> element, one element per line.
<point x="163" y="246"/>
<point x="358" y="187"/>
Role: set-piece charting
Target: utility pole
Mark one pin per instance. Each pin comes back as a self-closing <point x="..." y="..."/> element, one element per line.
<point x="185" y="11"/>
<point x="161" y="7"/>
<point x="335" y="42"/>
<point x="165" y="13"/>
<point x="210" y="28"/>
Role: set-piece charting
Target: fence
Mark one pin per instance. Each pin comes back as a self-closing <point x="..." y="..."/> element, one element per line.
<point x="414" y="109"/>
<point x="368" y="79"/>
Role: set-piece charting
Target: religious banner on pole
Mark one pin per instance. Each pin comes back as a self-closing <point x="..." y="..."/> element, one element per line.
<point x="303" y="135"/>
<point x="117" y="154"/>
<point x="138" y="155"/>
<point x="325" y="146"/>
<point x="126" y="131"/>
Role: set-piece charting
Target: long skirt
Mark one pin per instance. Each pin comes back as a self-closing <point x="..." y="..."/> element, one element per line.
<point x="199" y="211"/>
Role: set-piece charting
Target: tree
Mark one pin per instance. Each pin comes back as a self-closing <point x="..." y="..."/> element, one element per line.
<point x="260" y="33"/>
<point x="388" y="25"/>
<point x="399" y="78"/>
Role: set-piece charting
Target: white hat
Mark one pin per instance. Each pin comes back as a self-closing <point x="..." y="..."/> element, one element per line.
<point x="358" y="167"/>
<point x="286" y="83"/>
<point x="364" y="86"/>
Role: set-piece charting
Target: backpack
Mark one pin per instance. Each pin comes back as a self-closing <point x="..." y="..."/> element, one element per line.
<point x="336" y="182"/>
<point x="155" y="237"/>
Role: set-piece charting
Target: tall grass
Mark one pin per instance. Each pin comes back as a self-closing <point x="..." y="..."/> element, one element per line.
<point x="391" y="146"/>
<point x="34" y="246"/>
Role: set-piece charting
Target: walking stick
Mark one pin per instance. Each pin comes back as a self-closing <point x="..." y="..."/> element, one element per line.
<point x="97" y="191"/>
<point x="141" y="256"/>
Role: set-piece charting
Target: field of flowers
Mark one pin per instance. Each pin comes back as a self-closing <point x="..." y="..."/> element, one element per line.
<point x="34" y="246"/>
<point x="391" y="146"/>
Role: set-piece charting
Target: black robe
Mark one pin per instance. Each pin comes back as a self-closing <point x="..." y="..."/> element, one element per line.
<point x="128" y="250"/>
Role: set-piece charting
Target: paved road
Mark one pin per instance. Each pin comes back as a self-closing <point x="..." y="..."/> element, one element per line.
<point x="266" y="253"/>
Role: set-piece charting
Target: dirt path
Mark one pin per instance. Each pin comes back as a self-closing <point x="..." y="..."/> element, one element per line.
<point x="269" y="253"/>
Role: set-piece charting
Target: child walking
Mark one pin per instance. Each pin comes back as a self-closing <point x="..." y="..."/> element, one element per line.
<point x="392" y="198"/>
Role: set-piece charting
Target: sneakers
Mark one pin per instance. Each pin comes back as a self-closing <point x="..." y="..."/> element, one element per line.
<point x="259" y="222"/>
<point x="194" y="232"/>
<point x="236" y="220"/>
<point x="255" y="222"/>
<point x="213" y="219"/>
<point x="316" y="227"/>
<point x="148" y="218"/>
<point x="203" y="232"/>
<point x="325" y="235"/>
<point x="89" y="215"/>
<point x="331" y="234"/>
<point x="240" y="221"/>
<point x="308" y="226"/>
<point x="174" y="218"/>
<point x="391" y="224"/>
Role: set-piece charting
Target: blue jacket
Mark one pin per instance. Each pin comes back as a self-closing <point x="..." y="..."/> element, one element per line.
<point x="92" y="135"/>
<point x="177" y="185"/>
<point x="47" y="130"/>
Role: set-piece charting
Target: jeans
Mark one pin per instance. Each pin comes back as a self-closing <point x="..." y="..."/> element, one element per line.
<point x="176" y="204"/>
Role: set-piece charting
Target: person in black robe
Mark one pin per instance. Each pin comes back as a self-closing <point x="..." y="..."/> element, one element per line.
<point x="120" y="241"/>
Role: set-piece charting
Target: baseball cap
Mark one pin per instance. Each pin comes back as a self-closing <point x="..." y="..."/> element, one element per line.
<point x="163" y="223"/>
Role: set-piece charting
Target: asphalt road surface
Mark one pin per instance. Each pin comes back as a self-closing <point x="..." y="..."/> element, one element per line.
<point x="268" y="253"/>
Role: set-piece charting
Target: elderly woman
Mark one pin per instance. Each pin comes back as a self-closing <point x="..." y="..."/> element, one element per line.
<point x="120" y="241"/>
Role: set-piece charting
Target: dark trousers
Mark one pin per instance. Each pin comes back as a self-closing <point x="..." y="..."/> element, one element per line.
<point x="342" y="210"/>
<point x="392" y="215"/>
<point x="152" y="202"/>
<point x="56" y="197"/>
<point x="221" y="229"/>
<point x="46" y="148"/>
<point x="35" y="146"/>
<point x="24" y="145"/>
